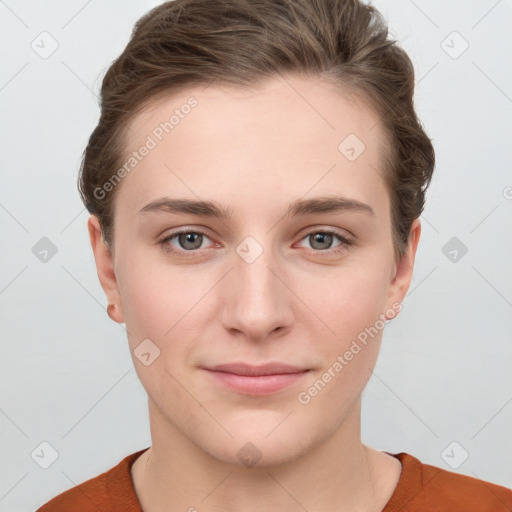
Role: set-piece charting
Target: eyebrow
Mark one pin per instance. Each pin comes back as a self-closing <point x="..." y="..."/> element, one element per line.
<point x="300" y="207"/>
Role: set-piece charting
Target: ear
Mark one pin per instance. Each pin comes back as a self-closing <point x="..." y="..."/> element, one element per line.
<point x="403" y="269"/>
<point x="105" y="268"/>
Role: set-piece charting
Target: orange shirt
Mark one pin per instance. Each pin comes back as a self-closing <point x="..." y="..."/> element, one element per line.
<point x="421" y="488"/>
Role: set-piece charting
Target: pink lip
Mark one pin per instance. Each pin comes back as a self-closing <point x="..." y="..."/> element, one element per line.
<point x="256" y="380"/>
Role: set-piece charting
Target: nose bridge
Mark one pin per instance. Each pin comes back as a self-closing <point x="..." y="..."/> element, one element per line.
<point x="257" y="298"/>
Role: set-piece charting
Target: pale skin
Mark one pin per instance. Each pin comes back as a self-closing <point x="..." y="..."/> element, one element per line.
<point x="301" y="301"/>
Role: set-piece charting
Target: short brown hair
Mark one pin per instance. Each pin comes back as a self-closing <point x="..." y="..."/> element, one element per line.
<point x="182" y="43"/>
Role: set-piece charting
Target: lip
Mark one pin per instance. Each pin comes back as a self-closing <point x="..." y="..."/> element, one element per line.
<point x="256" y="370"/>
<point x="256" y="380"/>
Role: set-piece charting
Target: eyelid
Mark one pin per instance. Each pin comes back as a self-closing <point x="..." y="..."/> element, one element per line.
<point x="344" y="239"/>
<point x="342" y="233"/>
<point x="180" y="231"/>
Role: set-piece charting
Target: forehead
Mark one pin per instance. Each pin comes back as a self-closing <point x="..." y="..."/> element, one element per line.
<point x="289" y="134"/>
<point x="319" y="104"/>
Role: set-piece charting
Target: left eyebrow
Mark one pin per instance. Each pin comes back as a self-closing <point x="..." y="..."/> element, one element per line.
<point x="300" y="207"/>
<point x="326" y="205"/>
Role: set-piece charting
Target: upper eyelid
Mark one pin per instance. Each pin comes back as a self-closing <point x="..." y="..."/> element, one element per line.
<point x="170" y="236"/>
<point x="335" y="231"/>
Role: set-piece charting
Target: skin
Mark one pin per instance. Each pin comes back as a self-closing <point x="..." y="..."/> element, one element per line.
<point x="299" y="302"/>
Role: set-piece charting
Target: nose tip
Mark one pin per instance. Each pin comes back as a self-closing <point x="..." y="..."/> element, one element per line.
<point x="257" y="302"/>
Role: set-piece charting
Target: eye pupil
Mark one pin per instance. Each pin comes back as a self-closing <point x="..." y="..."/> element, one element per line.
<point x="185" y="238"/>
<point x="325" y="240"/>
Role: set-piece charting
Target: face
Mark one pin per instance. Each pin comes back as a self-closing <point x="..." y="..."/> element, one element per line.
<point x="278" y="278"/>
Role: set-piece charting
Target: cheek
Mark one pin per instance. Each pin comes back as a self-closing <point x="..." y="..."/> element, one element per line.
<point x="154" y="296"/>
<point x="352" y="311"/>
<point x="349" y="355"/>
<point x="347" y="301"/>
<point x="155" y="306"/>
<point x="162" y="305"/>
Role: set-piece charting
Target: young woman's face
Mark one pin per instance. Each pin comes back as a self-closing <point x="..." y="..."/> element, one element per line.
<point x="277" y="280"/>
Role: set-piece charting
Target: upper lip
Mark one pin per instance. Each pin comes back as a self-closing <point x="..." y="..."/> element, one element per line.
<point x="254" y="370"/>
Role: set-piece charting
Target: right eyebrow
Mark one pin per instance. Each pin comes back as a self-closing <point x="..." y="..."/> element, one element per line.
<point x="190" y="206"/>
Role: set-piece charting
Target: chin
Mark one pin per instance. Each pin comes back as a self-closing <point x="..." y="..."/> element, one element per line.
<point x="256" y="453"/>
<point x="263" y="442"/>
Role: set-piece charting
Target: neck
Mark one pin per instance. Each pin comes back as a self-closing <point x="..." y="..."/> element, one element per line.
<point x="339" y="474"/>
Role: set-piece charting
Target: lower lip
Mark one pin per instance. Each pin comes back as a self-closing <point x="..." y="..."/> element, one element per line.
<point x="256" y="385"/>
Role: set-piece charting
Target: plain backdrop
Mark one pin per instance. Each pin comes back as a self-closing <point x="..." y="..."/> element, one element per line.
<point x="442" y="387"/>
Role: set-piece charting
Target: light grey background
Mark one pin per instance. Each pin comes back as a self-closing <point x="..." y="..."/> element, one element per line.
<point x="444" y="373"/>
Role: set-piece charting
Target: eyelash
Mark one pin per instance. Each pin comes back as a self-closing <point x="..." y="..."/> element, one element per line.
<point x="345" y="242"/>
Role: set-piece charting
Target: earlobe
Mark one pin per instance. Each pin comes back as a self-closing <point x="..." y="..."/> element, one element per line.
<point x="105" y="268"/>
<point x="404" y="267"/>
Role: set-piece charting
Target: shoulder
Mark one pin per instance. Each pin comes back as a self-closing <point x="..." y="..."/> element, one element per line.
<point x="423" y="487"/>
<point x="89" y="496"/>
<point x="103" y="493"/>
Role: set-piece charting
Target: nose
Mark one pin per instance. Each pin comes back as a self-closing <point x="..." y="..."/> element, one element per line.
<point x="258" y="299"/>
